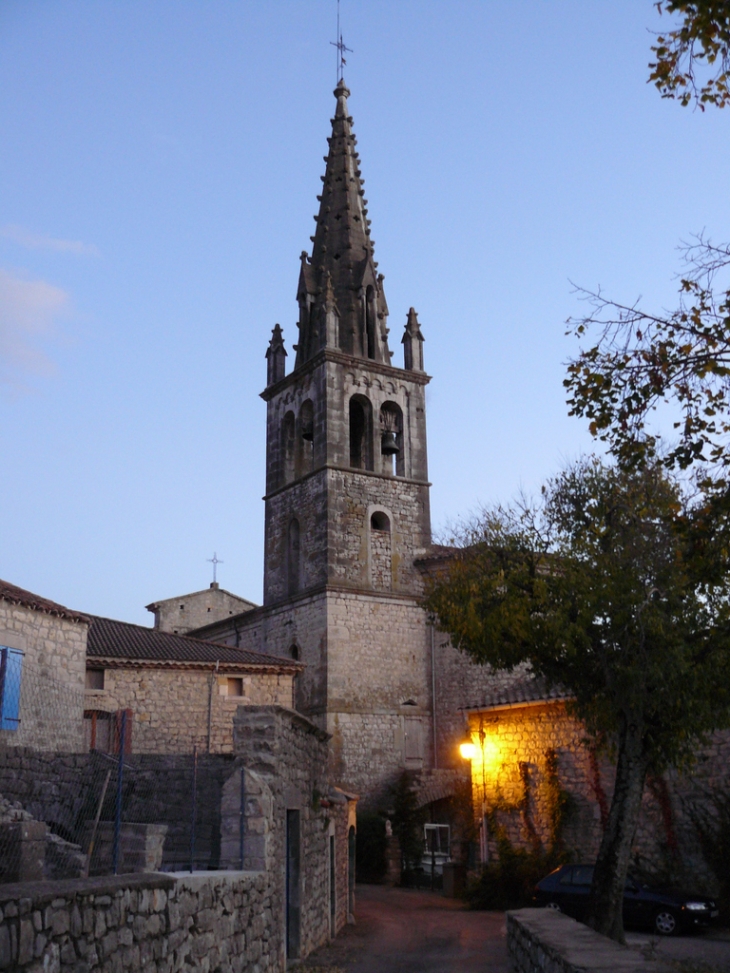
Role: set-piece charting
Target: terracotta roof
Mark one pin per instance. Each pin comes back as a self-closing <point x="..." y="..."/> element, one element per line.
<point x="528" y="689"/>
<point x="19" y="596"/>
<point x="438" y="552"/>
<point x="110" y="639"/>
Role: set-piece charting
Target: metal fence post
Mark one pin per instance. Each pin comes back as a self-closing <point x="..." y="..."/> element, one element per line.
<point x="192" y="821"/>
<point x="120" y="778"/>
<point x="242" y="817"/>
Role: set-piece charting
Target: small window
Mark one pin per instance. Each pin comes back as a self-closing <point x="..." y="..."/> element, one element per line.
<point x="182" y="608"/>
<point x="235" y="686"/>
<point x="380" y="521"/>
<point x="95" y="679"/>
<point x="294" y="652"/>
<point x="437" y="838"/>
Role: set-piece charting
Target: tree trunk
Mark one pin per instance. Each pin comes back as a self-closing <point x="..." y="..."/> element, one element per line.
<point x="605" y="913"/>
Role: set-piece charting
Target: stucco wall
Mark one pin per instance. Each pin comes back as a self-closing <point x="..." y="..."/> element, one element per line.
<point x="170" y="705"/>
<point x="52" y="677"/>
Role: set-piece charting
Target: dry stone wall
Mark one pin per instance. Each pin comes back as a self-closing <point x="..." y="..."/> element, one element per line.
<point x="159" y="924"/>
<point x="544" y="941"/>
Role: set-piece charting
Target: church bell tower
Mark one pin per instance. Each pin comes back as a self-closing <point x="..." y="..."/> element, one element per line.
<point x="347" y="493"/>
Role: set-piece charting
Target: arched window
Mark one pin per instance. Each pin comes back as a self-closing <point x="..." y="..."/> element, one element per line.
<point x="380" y="521"/>
<point x="306" y="437"/>
<point x="381" y="551"/>
<point x="391" y="440"/>
<point x="294" y="651"/>
<point x="293" y="559"/>
<point x="288" y="446"/>
<point x="361" y="433"/>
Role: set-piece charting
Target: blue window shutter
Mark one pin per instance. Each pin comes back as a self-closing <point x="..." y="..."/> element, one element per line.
<point x="11" y="668"/>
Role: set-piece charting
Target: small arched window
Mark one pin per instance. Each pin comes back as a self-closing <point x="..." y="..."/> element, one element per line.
<point x="294" y="651"/>
<point x="293" y="559"/>
<point x="361" y="433"/>
<point x="380" y="521"/>
<point x="381" y="551"/>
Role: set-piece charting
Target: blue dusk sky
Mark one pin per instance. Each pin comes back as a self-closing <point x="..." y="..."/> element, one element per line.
<point x="159" y="167"/>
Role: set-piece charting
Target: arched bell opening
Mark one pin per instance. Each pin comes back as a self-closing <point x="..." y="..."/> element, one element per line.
<point x="391" y="439"/>
<point x="361" y="433"/>
<point x="306" y="438"/>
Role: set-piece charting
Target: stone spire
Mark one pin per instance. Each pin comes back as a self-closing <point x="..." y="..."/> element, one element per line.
<point x="341" y="301"/>
<point x="413" y="344"/>
<point x="275" y="357"/>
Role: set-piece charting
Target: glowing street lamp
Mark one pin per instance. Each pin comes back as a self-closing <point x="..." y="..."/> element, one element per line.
<point x="467" y="748"/>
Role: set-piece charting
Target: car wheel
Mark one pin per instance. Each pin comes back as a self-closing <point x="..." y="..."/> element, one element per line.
<point x="665" y="923"/>
<point x="554" y="906"/>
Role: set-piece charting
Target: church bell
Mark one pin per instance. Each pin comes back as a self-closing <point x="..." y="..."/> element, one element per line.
<point x="389" y="446"/>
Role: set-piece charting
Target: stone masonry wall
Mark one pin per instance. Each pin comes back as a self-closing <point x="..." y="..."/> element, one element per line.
<point x="170" y="705"/>
<point x="666" y="844"/>
<point x="52" y="677"/>
<point x="212" y="604"/>
<point x="289" y="753"/>
<point x="160" y="924"/>
<point x="545" y="941"/>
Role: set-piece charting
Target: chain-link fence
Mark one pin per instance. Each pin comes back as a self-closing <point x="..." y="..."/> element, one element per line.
<point x="76" y="800"/>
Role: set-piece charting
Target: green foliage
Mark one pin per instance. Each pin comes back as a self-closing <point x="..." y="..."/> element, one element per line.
<point x="613" y="587"/>
<point x="641" y="359"/>
<point x="560" y="802"/>
<point x="700" y="41"/>
<point x="407" y="822"/>
<point x="370" y="848"/>
<point x="509" y="881"/>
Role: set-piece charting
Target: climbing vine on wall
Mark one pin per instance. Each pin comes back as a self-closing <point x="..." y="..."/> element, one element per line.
<point x="559" y="801"/>
<point x="597" y="786"/>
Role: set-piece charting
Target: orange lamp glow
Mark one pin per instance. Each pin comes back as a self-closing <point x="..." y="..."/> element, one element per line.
<point x="468" y="749"/>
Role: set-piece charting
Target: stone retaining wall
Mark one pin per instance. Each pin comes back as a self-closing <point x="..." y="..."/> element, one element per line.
<point x="156" y="923"/>
<point x="544" y="941"/>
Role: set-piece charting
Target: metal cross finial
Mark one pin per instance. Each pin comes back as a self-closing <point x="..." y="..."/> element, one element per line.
<point x="341" y="48"/>
<point x="215" y="561"/>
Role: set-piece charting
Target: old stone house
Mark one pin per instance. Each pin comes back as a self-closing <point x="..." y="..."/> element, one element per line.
<point x="181" y="693"/>
<point x="42" y="671"/>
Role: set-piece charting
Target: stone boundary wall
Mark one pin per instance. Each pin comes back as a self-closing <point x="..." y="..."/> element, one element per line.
<point x="545" y="941"/>
<point x="156" y="923"/>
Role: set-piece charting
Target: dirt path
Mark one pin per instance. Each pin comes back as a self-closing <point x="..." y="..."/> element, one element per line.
<point x="405" y="931"/>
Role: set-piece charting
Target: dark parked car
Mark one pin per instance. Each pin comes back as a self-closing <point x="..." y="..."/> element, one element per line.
<point x="666" y="911"/>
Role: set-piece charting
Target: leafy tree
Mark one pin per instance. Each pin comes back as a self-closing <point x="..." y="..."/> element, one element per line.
<point x="642" y="359"/>
<point x="699" y="43"/>
<point x="613" y="587"/>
